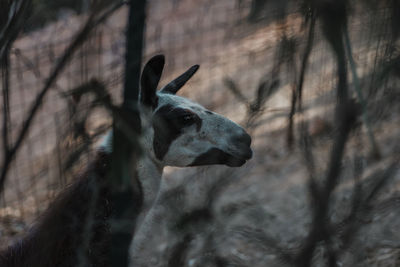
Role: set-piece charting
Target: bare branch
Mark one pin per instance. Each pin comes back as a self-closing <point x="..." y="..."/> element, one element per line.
<point x="6" y="103"/>
<point x="93" y="20"/>
<point x="298" y="91"/>
<point x="231" y="85"/>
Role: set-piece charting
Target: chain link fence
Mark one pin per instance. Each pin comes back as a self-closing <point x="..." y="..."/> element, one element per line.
<point x="242" y="46"/>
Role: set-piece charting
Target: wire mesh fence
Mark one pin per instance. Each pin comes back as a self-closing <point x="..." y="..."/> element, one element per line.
<point x="189" y="37"/>
<point x="31" y="61"/>
<point x="251" y="55"/>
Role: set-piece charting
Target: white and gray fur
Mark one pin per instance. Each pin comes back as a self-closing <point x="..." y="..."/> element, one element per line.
<point x="179" y="132"/>
<point x="190" y="134"/>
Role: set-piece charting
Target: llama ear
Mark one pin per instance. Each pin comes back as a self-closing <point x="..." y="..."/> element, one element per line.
<point x="150" y="78"/>
<point x="174" y="86"/>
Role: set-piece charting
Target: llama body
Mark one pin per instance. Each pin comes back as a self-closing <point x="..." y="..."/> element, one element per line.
<point x="176" y="132"/>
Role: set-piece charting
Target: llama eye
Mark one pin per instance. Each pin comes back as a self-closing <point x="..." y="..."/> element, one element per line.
<point x="188" y="118"/>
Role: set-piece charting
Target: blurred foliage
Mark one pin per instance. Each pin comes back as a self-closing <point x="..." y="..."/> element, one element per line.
<point x="269" y="10"/>
<point x="45" y="11"/>
<point x="4" y="8"/>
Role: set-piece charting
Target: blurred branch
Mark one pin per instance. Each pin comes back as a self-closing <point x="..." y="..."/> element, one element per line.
<point x="13" y="16"/>
<point x="126" y="190"/>
<point x="309" y="161"/>
<point x="374" y="147"/>
<point x="268" y="243"/>
<point x="264" y="92"/>
<point x="122" y="222"/>
<point x="334" y="19"/>
<point x="321" y="200"/>
<point x="387" y="174"/>
<point x="231" y="85"/>
<point x="256" y="8"/>
<point x="298" y="92"/>
<point x="5" y="61"/>
<point x="126" y="196"/>
<point x="93" y="20"/>
<point x="104" y="99"/>
<point x="254" y="107"/>
<point x="388" y="204"/>
<point x="363" y="197"/>
<point x="31" y="66"/>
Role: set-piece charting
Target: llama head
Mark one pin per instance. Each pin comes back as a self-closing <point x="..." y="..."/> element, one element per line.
<point x="183" y="133"/>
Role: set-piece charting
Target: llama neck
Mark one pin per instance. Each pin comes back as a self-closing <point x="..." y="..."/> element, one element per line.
<point x="149" y="173"/>
<point x="149" y="169"/>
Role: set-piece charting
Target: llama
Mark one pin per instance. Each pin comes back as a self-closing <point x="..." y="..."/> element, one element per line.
<point x="176" y="132"/>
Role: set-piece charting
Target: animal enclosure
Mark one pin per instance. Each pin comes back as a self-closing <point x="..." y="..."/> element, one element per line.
<point x="273" y="67"/>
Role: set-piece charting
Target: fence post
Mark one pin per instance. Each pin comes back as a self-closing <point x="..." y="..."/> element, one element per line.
<point x="126" y="194"/>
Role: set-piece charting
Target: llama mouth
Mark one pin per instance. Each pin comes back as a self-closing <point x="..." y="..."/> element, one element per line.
<point x="239" y="160"/>
<point x="218" y="156"/>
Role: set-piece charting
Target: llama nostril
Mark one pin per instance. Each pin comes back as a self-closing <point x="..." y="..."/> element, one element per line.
<point x="247" y="139"/>
<point x="243" y="139"/>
